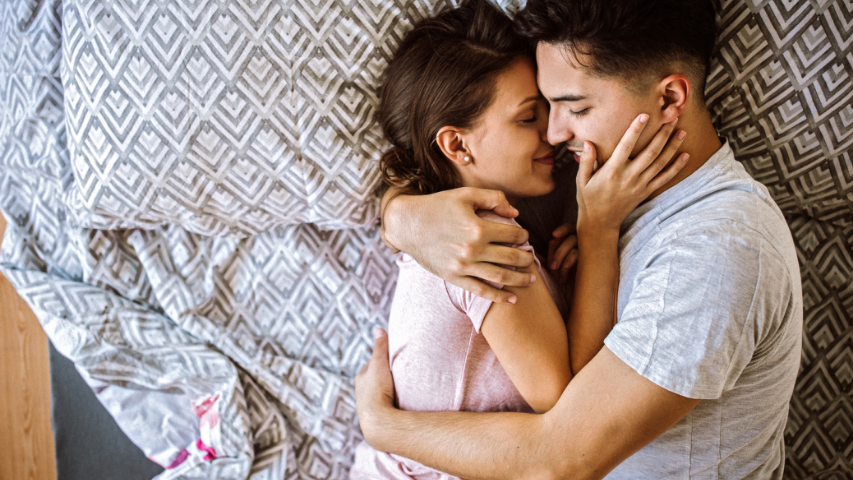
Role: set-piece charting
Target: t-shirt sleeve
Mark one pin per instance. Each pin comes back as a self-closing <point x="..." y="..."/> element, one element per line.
<point x="472" y="305"/>
<point x="689" y="323"/>
<point x="469" y="304"/>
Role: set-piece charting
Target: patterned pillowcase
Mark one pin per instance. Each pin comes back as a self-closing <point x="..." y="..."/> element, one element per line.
<point x="228" y="118"/>
<point x="780" y="90"/>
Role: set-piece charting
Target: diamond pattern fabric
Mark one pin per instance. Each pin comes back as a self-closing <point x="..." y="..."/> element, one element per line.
<point x="227" y="118"/>
<point x="780" y="90"/>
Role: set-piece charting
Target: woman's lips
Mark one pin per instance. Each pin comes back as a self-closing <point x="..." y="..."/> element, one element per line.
<point x="576" y="156"/>
<point x="549" y="160"/>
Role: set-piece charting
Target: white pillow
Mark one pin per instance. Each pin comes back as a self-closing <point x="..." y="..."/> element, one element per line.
<point x="227" y="118"/>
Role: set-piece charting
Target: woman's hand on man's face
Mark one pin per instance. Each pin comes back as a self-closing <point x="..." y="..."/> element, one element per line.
<point x="443" y="233"/>
<point x="607" y="196"/>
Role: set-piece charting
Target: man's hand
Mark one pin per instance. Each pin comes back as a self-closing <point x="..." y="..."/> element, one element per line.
<point x="374" y="388"/>
<point x="443" y="234"/>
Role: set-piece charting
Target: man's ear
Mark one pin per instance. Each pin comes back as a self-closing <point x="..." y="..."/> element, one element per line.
<point x="452" y="143"/>
<point x="674" y="94"/>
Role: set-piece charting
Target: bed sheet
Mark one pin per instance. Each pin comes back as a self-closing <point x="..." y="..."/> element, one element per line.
<point x="219" y="358"/>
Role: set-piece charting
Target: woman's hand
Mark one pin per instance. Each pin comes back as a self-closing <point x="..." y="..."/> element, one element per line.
<point x="562" y="253"/>
<point x="562" y="258"/>
<point x="606" y="197"/>
<point x="443" y="233"/>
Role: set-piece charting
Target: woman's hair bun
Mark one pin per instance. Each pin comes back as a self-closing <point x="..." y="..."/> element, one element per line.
<point x="399" y="169"/>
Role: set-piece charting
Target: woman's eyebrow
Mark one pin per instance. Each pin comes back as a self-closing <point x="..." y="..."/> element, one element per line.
<point x="530" y="99"/>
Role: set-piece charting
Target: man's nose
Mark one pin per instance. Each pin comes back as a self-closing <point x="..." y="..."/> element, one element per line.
<point x="558" y="131"/>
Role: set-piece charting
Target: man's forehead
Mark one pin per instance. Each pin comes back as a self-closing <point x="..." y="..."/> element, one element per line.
<point x="558" y="76"/>
<point x="562" y="76"/>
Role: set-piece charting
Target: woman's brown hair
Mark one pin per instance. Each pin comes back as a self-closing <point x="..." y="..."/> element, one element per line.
<point x="443" y="74"/>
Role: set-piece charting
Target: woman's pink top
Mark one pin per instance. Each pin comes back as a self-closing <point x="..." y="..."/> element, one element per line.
<point x="439" y="359"/>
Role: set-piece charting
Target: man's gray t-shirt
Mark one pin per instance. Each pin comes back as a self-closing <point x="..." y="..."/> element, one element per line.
<point x="710" y="307"/>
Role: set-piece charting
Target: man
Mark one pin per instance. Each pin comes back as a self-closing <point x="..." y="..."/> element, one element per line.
<point x="695" y="378"/>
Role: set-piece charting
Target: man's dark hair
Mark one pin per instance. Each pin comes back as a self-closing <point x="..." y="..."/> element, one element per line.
<point x="628" y="39"/>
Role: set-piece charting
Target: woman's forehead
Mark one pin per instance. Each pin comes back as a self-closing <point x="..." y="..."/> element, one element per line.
<point x="517" y="84"/>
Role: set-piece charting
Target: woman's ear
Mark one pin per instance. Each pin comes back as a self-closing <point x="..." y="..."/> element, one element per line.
<point x="674" y="95"/>
<point x="452" y="143"/>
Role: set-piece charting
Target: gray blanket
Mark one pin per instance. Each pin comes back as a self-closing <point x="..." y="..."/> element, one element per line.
<point x="271" y="329"/>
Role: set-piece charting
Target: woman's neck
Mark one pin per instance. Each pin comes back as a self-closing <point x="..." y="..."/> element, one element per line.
<point x="512" y="199"/>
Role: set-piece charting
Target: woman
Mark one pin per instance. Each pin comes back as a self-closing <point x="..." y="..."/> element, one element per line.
<point x="461" y="107"/>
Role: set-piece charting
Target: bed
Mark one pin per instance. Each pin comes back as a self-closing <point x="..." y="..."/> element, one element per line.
<point x="191" y="196"/>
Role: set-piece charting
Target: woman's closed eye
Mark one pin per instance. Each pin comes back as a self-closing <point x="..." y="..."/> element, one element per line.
<point x="540" y="110"/>
<point x="579" y="113"/>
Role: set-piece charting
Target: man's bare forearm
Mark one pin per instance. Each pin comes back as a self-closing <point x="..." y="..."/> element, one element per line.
<point x="607" y="413"/>
<point x="469" y="445"/>
<point x="386" y="217"/>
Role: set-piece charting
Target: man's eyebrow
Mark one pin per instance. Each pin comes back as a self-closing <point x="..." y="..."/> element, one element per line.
<point x="569" y="98"/>
<point x="530" y="99"/>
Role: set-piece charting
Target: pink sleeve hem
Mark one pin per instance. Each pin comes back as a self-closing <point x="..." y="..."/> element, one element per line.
<point x="479" y="308"/>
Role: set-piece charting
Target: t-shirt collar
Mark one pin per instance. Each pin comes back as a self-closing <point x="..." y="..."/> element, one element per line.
<point x="678" y="191"/>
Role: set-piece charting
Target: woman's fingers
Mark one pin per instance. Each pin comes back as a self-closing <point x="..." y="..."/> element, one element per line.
<point x="664" y="157"/>
<point x="665" y="176"/>
<point x="553" y="244"/>
<point x="626" y="144"/>
<point x="587" y="164"/>
<point x="562" y="252"/>
<point x="481" y="289"/>
<point x="563" y="258"/>
<point x="563" y="230"/>
<point x="655" y="150"/>
<point x="569" y="263"/>
<point x="558" y="235"/>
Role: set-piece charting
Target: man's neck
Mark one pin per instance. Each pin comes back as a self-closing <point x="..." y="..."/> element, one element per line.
<point x="701" y="144"/>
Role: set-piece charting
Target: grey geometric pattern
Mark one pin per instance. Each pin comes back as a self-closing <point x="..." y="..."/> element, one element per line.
<point x="229" y="118"/>
<point x="781" y="90"/>
<point x="101" y="306"/>
<point x="819" y="433"/>
<point x="276" y="316"/>
<point x="293" y="307"/>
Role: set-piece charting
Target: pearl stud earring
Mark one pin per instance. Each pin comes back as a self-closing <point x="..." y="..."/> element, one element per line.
<point x="466" y="159"/>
